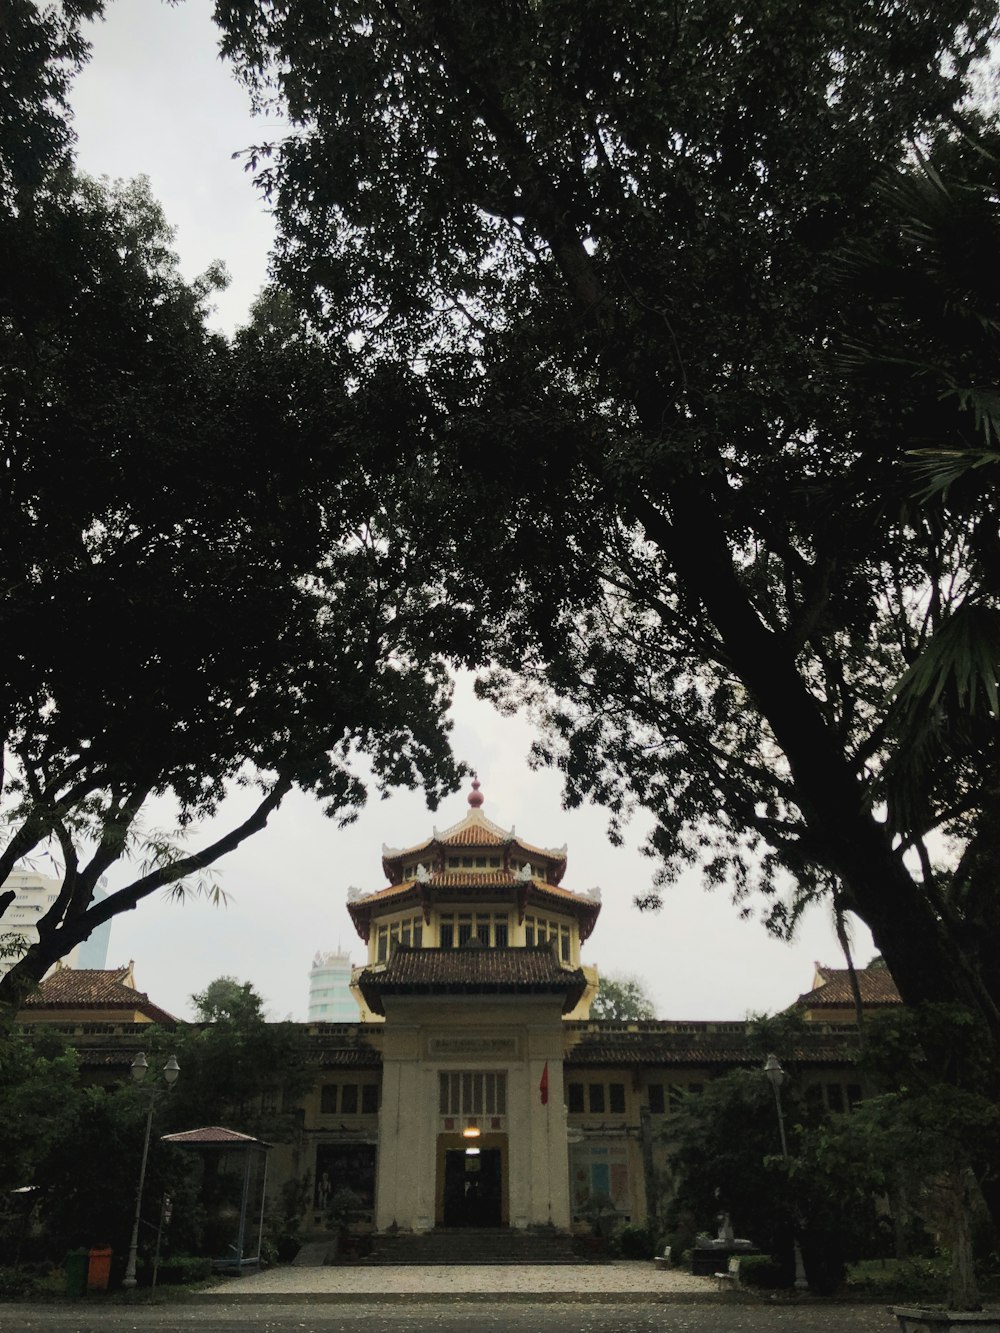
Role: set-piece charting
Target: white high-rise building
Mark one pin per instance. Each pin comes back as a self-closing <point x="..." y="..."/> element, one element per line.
<point x="330" y="998"/>
<point x="35" y="894"/>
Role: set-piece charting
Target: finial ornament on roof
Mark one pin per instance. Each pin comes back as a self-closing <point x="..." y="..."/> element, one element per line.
<point x="594" y="894"/>
<point x="476" y="797"/>
<point x="354" y="893"/>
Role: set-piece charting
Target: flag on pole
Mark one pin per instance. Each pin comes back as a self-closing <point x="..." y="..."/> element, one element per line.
<point x="543" y="1086"/>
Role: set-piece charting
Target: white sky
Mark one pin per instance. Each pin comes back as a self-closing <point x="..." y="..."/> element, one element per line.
<point x="156" y="100"/>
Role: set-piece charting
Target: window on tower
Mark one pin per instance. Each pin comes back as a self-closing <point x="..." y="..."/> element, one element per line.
<point x="408" y="931"/>
<point x="488" y="929"/>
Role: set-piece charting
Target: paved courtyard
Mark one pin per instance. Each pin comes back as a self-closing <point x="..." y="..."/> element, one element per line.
<point x="617" y="1281"/>
<point x="501" y="1298"/>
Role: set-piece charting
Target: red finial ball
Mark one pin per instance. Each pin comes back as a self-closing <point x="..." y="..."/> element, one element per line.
<point x="476" y="797"/>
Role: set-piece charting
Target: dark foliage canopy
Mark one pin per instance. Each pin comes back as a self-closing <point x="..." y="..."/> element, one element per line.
<point x="198" y="589"/>
<point x="664" y="288"/>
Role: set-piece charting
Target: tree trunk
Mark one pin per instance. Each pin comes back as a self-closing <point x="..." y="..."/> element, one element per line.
<point x="963" y="1289"/>
<point x="22" y="978"/>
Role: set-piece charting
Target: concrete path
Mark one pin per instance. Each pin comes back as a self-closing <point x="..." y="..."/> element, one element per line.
<point x="607" y="1282"/>
<point x="442" y="1316"/>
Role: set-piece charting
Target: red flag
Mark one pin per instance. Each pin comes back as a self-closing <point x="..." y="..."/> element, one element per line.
<point x="543" y="1087"/>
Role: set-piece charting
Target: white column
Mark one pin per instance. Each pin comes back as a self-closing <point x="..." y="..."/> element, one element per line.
<point x="386" y="1198"/>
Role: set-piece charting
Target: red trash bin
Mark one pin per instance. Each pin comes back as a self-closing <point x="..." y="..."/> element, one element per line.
<point x="99" y="1268"/>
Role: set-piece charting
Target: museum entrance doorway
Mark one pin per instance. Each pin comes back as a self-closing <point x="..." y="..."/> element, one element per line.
<point x="473" y="1185"/>
<point x="472" y="1182"/>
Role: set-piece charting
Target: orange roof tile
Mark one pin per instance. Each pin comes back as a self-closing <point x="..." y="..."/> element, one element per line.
<point x="472" y="879"/>
<point x="473" y="835"/>
<point x="93" y="988"/>
<point x="390" y="891"/>
<point x="875" y="983"/>
<point x="83" y="986"/>
<point x="473" y="830"/>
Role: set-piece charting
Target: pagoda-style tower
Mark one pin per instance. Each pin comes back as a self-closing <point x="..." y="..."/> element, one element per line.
<point x="473" y="963"/>
<point x="479" y="888"/>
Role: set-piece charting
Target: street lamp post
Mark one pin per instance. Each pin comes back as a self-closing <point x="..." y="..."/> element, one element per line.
<point x="776" y="1076"/>
<point x="170" y="1071"/>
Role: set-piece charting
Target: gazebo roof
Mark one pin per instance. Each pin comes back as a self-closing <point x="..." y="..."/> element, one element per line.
<point x="214" y="1136"/>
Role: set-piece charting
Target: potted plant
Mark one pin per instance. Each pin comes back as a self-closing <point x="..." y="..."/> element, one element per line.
<point x="345" y="1207"/>
<point x="599" y="1210"/>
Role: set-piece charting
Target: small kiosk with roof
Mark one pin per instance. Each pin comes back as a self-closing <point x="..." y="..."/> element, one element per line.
<point x="233" y="1188"/>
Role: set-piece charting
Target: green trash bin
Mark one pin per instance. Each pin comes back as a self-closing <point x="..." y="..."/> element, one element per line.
<point x="77" y="1262"/>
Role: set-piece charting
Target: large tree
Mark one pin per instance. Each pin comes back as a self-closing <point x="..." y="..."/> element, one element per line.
<point x="198" y="588"/>
<point x="626" y="253"/>
<point x="622" y="999"/>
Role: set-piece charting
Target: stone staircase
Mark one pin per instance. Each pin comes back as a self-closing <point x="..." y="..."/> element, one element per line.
<point x="476" y="1245"/>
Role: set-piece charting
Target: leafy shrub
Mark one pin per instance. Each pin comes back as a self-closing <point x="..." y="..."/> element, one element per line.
<point x="904" y="1280"/>
<point x="16" y="1284"/>
<point x="636" y="1242"/>
<point x="179" y="1268"/>
<point x="760" y="1270"/>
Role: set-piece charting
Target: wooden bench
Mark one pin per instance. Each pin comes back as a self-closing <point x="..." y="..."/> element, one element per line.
<point x="732" y="1273"/>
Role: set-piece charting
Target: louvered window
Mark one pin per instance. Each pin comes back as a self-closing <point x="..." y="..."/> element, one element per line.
<point x="473" y="1093"/>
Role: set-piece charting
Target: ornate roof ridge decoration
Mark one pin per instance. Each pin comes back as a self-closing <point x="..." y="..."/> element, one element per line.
<point x="474" y="830"/>
<point x="474" y="818"/>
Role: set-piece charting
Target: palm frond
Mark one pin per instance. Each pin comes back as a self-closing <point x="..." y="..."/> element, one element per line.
<point x="963" y="657"/>
<point x="941" y="468"/>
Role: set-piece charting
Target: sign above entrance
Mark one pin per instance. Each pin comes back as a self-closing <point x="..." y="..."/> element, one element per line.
<point x="462" y="1047"/>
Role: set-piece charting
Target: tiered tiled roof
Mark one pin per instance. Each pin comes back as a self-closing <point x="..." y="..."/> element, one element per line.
<point x="472" y="970"/>
<point x="832" y="988"/>
<point x="475" y="830"/>
<point x="421" y="875"/>
<point x="111" y="990"/>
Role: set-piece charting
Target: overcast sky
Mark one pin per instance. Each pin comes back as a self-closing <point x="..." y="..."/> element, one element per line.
<point x="156" y="100"/>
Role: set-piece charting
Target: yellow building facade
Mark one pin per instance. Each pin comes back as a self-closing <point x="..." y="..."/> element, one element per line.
<point x="475" y="1091"/>
<point x="490" y="1098"/>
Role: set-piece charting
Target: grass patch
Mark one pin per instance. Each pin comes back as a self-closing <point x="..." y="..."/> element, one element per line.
<point x="905" y="1280"/>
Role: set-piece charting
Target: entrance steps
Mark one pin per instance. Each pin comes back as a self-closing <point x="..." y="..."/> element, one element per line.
<point x="458" y="1246"/>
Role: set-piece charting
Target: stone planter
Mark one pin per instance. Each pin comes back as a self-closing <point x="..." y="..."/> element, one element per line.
<point x="936" y="1319"/>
